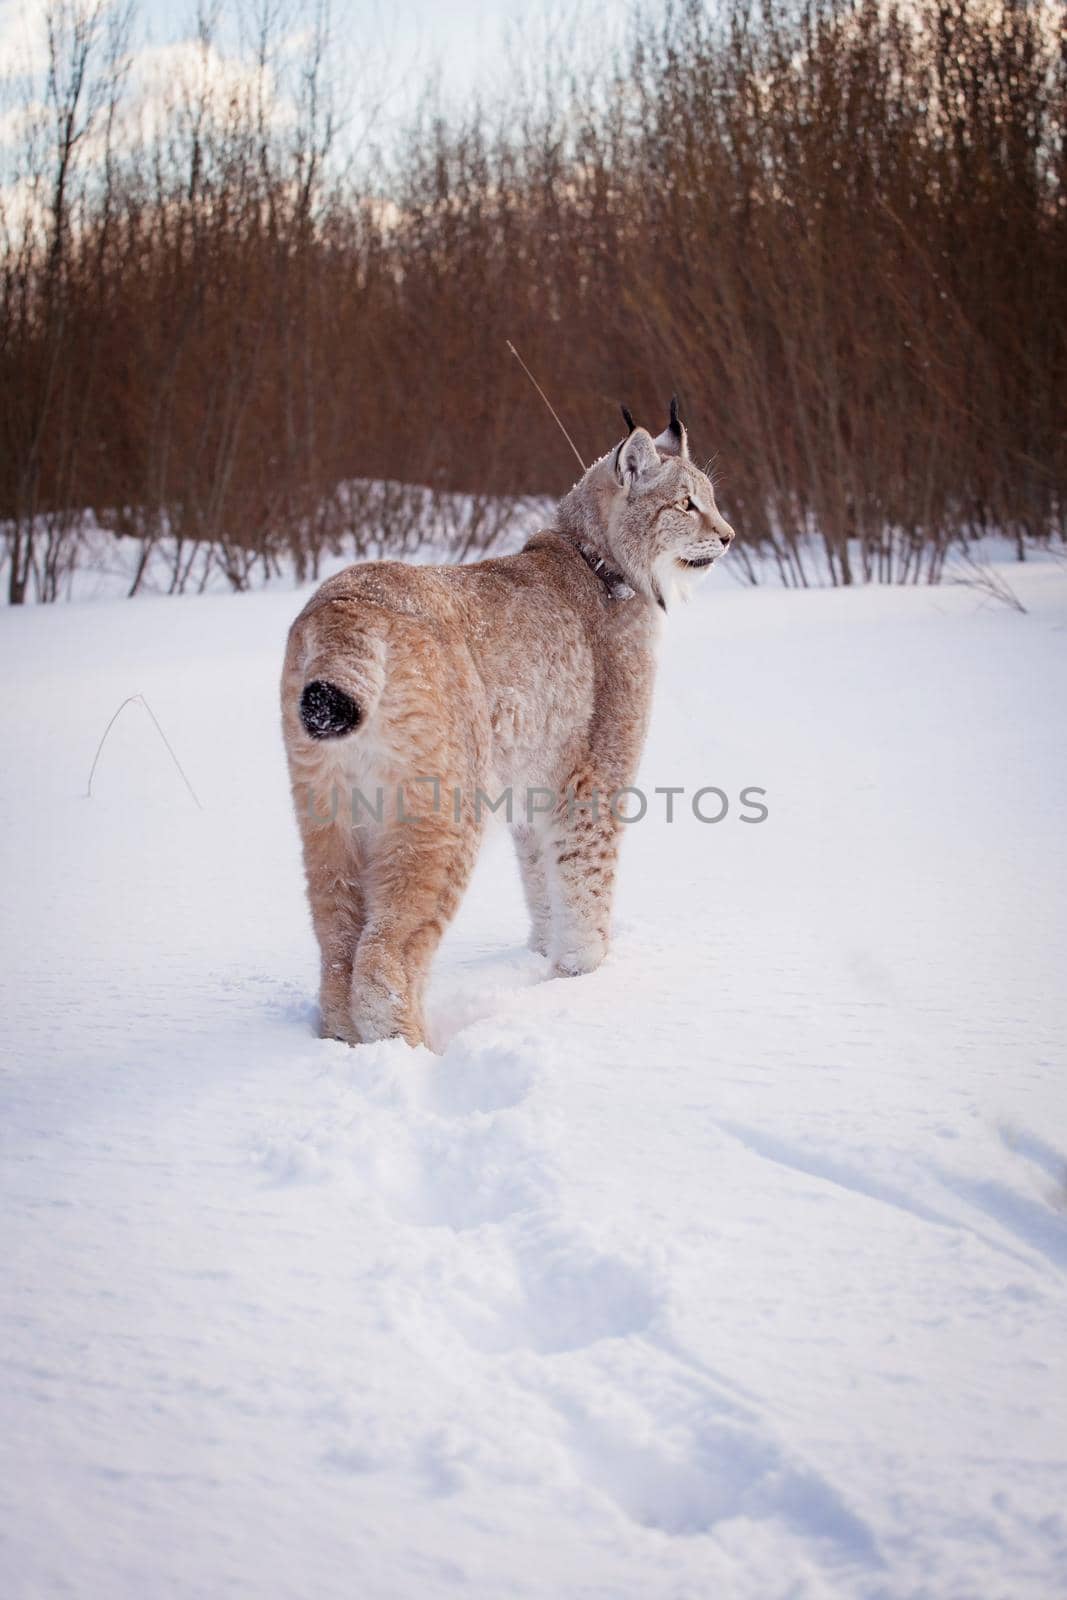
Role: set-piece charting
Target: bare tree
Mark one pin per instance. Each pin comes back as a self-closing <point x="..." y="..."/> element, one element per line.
<point x="253" y="338"/>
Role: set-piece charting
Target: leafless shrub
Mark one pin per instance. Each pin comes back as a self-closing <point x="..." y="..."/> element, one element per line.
<point x="985" y="580"/>
<point x="838" y="230"/>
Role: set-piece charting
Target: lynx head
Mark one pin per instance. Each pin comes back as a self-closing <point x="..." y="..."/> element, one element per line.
<point x="648" y="512"/>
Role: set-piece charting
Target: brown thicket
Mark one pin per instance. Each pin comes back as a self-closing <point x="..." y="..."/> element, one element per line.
<point x="838" y="230"/>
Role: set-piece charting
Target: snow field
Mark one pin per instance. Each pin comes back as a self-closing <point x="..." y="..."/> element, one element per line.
<point x="736" y="1268"/>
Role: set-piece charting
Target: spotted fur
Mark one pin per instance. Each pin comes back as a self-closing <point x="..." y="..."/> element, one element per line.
<point x="431" y="687"/>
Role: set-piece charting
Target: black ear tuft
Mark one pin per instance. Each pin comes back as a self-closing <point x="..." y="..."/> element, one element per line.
<point x="627" y="417"/>
<point x="674" y="441"/>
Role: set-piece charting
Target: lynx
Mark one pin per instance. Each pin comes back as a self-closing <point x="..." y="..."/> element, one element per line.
<point x="415" y="700"/>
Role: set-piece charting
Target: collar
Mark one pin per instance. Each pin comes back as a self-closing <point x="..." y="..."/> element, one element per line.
<point x="614" y="582"/>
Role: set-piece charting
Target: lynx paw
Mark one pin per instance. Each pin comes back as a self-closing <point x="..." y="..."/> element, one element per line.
<point x="572" y="963"/>
<point x="337" y="1025"/>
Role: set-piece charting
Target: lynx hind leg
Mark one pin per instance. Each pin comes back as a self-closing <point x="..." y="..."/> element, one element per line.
<point x="337" y="914"/>
<point x="582" y="854"/>
<point x="530" y="849"/>
<point x="416" y="879"/>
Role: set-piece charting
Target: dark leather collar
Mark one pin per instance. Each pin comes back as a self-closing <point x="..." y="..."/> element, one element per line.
<point x="614" y="582"/>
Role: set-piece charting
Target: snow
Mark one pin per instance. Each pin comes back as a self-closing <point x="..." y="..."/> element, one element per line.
<point x="736" y="1268"/>
<point x="395" y="520"/>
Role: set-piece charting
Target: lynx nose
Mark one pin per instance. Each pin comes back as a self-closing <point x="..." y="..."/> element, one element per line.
<point x="726" y="535"/>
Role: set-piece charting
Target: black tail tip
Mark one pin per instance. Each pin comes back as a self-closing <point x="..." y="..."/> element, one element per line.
<point x="326" y="711"/>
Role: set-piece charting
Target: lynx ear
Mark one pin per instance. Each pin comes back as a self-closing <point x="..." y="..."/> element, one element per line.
<point x="674" y="441"/>
<point x="627" y="417"/>
<point x="635" y="458"/>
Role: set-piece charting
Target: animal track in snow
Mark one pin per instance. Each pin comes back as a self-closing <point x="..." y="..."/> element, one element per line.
<point x="494" y="981"/>
<point x="491" y="1074"/>
<point x="461" y="1176"/>
<point x="677" y="1457"/>
<point x="460" y="1158"/>
<point x="564" y="1294"/>
<point x="452" y="1145"/>
<point x="449" y="1144"/>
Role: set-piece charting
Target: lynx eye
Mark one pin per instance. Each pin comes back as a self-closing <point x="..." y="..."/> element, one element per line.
<point x="689" y="504"/>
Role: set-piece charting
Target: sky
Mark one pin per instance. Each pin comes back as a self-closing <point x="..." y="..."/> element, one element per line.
<point x="464" y="42"/>
<point x="385" y="56"/>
